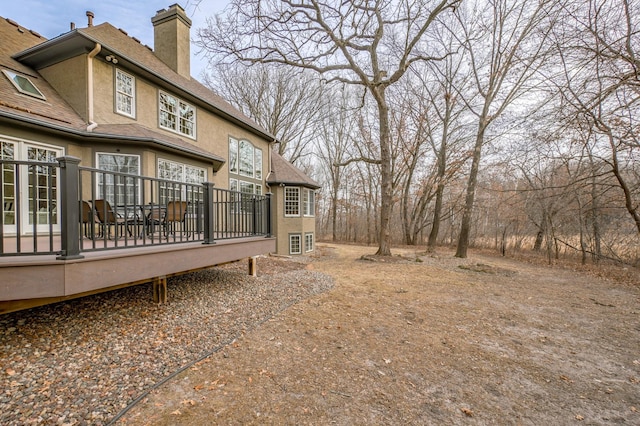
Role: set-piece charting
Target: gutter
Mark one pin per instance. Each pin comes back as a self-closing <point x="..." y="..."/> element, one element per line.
<point x="92" y="124"/>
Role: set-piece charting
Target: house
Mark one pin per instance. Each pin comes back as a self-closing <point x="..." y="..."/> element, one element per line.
<point x="95" y="118"/>
<point x="294" y="203"/>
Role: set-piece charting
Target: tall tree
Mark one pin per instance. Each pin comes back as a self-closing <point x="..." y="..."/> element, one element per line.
<point x="506" y="42"/>
<point x="335" y="136"/>
<point x="367" y="43"/>
<point x="599" y="48"/>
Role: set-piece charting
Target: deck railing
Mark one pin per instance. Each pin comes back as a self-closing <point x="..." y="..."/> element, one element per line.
<point x="73" y="209"/>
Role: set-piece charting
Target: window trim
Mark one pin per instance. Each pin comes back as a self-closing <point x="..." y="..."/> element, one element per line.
<point x="291" y="238"/>
<point x="132" y="96"/>
<point x="177" y="115"/>
<point x="257" y="157"/>
<point x="287" y="202"/>
<point x="98" y="183"/>
<point x="309" y="247"/>
<point x="308" y="202"/>
<point x="38" y="95"/>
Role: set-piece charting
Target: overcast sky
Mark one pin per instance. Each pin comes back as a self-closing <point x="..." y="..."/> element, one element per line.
<point x="51" y="18"/>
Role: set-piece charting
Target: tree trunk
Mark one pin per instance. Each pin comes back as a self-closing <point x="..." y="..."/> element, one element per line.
<point x="595" y="215"/>
<point x="334" y="214"/>
<point x="442" y="168"/>
<point x="386" y="179"/>
<point x="437" y="213"/>
<point x="465" y="227"/>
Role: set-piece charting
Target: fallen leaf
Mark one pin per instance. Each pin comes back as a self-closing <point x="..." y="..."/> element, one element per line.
<point x="198" y="387"/>
<point x="466" y="411"/>
<point x="189" y="402"/>
<point x="579" y="417"/>
<point x="10" y="372"/>
<point x="176" y="413"/>
<point x="634" y="409"/>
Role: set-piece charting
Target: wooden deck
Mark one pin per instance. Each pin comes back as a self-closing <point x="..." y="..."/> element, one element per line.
<point x="28" y="281"/>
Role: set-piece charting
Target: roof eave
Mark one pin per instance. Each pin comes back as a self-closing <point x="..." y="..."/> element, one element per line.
<point x="217" y="161"/>
<point x="36" y="57"/>
<point x="290" y="183"/>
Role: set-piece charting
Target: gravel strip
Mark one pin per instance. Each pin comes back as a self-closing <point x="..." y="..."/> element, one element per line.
<point x="81" y="362"/>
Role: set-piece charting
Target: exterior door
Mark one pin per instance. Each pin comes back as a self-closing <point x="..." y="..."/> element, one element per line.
<point x="42" y="201"/>
<point x="30" y="191"/>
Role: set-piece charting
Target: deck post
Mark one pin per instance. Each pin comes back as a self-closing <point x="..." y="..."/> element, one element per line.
<point x="69" y="210"/>
<point x="268" y="209"/>
<point x="208" y="213"/>
<point x="254" y="221"/>
<point x="160" y="289"/>
<point x="253" y="266"/>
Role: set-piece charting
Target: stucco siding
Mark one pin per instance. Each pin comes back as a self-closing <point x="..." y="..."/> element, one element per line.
<point x="69" y="79"/>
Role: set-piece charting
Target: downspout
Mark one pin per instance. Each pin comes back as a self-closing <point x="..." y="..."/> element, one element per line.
<point x="92" y="124"/>
<point x="266" y="183"/>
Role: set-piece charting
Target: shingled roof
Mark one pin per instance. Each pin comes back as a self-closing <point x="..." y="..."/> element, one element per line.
<point x="283" y="172"/>
<point x="54" y="111"/>
<point x="25" y="51"/>
<point x="131" y="53"/>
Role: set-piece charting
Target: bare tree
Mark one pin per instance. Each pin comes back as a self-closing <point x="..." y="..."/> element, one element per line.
<point x="370" y="44"/>
<point x="505" y="41"/>
<point x="287" y="103"/>
<point x="601" y="86"/>
<point x="448" y="135"/>
<point x="336" y="135"/>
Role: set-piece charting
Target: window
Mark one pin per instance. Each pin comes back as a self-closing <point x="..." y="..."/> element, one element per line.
<point x="24" y="85"/>
<point x="114" y="187"/>
<point x="291" y="201"/>
<point x="295" y="244"/>
<point x="258" y="163"/>
<point x="177" y="115"/>
<point x="308" y="242"/>
<point x="308" y="202"/>
<point x="180" y="173"/>
<point x="233" y="156"/>
<point x="245" y="159"/>
<point x="125" y="93"/>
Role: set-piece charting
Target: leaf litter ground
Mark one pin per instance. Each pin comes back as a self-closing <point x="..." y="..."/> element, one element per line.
<point x="424" y="339"/>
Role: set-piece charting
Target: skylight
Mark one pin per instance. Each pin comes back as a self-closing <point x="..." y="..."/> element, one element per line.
<point x="23" y="84"/>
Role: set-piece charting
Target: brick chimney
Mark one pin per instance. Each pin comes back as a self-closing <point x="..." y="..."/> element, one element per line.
<point x="172" y="40"/>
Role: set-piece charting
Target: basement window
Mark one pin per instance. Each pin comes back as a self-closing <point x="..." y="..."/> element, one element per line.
<point x="24" y="85"/>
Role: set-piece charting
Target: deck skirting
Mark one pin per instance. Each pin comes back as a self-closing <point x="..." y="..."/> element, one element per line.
<point x="38" y="280"/>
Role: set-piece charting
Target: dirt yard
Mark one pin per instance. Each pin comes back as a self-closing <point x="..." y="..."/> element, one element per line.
<point x="425" y="339"/>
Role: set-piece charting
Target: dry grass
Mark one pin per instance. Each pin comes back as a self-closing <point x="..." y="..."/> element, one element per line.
<point x="425" y="339"/>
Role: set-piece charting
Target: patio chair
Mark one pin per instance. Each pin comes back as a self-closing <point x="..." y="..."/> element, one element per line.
<point x="176" y="213"/>
<point x="108" y="218"/>
<point x="154" y="216"/>
<point x="88" y="220"/>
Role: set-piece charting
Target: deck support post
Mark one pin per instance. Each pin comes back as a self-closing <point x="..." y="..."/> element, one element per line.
<point x="160" y="289"/>
<point x="253" y="266"/>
